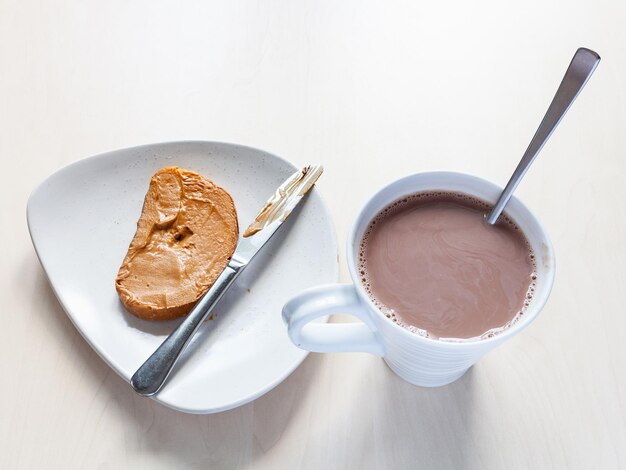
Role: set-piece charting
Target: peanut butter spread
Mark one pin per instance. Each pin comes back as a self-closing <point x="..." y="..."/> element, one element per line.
<point x="186" y="234"/>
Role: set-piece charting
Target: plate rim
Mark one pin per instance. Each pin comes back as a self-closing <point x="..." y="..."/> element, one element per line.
<point x="102" y="353"/>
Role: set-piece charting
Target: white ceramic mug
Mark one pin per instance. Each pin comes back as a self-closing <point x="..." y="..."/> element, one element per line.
<point x="417" y="359"/>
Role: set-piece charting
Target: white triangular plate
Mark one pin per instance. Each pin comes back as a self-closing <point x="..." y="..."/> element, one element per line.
<point x="82" y="218"/>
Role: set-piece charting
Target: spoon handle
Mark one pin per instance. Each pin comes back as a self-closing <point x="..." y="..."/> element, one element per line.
<point x="580" y="69"/>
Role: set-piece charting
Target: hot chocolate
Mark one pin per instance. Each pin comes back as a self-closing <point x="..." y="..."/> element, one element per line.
<point x="432" y="264"/>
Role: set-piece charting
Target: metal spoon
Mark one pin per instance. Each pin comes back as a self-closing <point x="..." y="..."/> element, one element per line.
<point x="580" y="69"/>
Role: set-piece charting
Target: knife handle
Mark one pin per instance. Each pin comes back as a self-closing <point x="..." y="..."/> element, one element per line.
<point x="151" y="376"/>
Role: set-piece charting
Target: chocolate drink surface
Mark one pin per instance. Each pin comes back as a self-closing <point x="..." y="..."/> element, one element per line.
<point x="432" y="264"/>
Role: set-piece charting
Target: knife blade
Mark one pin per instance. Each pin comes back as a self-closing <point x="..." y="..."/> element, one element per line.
<point x="153" y="373"/>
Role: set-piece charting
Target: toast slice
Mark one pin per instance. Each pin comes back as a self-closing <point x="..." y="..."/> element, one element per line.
<point x="186" y="234"/>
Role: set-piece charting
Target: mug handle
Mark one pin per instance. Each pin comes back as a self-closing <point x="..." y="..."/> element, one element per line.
<point x="331" y="337"/>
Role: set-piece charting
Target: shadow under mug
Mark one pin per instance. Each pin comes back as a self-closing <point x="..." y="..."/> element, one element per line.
<point x="419" y="360"/>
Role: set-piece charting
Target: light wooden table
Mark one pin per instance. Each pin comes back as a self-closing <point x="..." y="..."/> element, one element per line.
<point x="374" y="91"/>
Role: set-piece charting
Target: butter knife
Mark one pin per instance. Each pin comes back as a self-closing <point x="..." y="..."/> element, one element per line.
<point x="151" y="376"/>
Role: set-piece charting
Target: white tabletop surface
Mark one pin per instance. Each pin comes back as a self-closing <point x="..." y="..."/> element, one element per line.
<point x="373" y="91"/>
